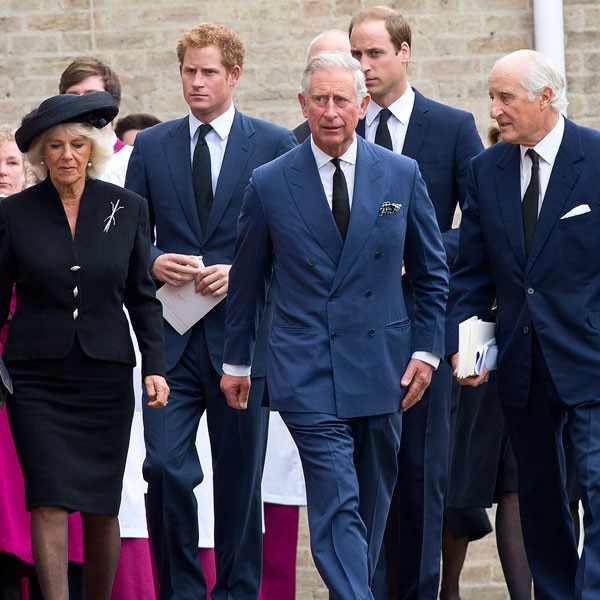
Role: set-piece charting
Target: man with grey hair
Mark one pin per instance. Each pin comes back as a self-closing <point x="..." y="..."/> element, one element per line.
<point x="529" y="238"/>
<point x="329" y="225"/>
<point x="332" y="40"/>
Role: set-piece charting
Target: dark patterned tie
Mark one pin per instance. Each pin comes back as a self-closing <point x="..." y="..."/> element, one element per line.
<point x="202" y="176"/>
<point x="340" y="204"/>
<point x="382" y="135"/>
<point x="531" y="198"/>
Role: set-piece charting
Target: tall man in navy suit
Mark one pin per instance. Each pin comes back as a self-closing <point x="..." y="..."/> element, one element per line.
<point x="544" y="270"/>
<point x="330" y="224"/>
<point x="442" y="140"/>
<point x="195" y="218"/>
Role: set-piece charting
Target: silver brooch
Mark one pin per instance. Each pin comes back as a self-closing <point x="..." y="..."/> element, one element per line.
<point x="110" y="220"/>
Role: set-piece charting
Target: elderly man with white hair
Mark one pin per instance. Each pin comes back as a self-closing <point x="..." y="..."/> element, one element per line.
<point x="529" y="238"/>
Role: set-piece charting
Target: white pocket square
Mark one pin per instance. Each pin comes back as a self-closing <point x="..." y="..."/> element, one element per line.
<point x="578" y="210"/>
<point x="389" y="208"/>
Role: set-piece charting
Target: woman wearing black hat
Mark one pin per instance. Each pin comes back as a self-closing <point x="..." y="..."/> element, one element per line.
<point x="78" y="251"/>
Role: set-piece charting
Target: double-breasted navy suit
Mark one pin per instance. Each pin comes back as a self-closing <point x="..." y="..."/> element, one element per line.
<point x="548" y="332"/>
<point x="341" y="337"/>
<point x="442" y="140"/>
<point x="160" y="170"/>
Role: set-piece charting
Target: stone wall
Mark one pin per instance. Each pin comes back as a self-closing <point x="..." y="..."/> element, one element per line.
<point x="455" y="43"/>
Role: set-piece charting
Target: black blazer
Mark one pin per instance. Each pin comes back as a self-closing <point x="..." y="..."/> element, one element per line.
<point x="68" y="288"/>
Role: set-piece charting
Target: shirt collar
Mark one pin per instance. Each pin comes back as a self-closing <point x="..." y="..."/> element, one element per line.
<point x="400" y="108"/>
<point x="548" y="147"/>
<point x="221" y="124"/>
<point x="322" y="158"/>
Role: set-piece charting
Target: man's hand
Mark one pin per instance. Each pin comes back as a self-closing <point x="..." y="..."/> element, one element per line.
<point x="474" y="381"/>
<point x="213" y="280"/>
<point x="236" y="390"/>
<point x="416" y="378"/>
<point x="157" y="390"/>
<point x="176" y="269"/>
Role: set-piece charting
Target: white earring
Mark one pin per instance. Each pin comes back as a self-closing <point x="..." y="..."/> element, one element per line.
<point x="89" y="161"/>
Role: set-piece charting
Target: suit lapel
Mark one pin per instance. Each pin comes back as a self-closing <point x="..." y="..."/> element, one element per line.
<point x="177" y="152"/>
<point x="562" y="180"/>
<point x="309" y="197"/>
<point x="367" y="198"/>
<point x="417" y="127"/>
<point x="508" y="193"/>
<point x="237" y="153"/>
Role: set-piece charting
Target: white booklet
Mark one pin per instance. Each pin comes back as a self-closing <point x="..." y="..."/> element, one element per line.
<point x="183" y="307"/>
<point x="476" y="347"/>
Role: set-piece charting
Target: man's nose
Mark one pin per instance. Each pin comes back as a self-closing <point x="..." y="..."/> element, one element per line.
<point x="331" y="108"/>
<point x="495" y="110"/>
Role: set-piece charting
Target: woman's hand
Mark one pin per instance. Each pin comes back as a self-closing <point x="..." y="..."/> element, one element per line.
<point x="157" y="390"/>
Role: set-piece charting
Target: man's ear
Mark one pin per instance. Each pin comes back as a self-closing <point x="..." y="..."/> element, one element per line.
<point x="303" y="106"/>
<point x="546" y="97"/>
<point x="362" y="110"/>
<point x="234" y="75"/>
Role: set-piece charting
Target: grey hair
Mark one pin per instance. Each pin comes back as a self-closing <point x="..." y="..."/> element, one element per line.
<point x="102" y="148"/>
<point x="335" y="60"/>
<point x="539" y="72"/>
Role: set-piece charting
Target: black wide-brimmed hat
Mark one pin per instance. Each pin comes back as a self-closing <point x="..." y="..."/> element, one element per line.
<point x="96" y="109"/>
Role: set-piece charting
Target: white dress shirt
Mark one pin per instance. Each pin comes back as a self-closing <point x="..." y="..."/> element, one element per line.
<point x="401" y="110"/>
<point x="547" y="149"/>
<point x="327" y="169"/>
<point x="216" y="140"/>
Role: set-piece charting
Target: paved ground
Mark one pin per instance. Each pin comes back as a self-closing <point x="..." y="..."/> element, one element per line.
<point x="482" y="577"/>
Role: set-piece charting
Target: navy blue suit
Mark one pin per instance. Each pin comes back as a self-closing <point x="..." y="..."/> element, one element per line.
<point x="548" y="333"/>
<point x="341" y="337"/>
<point x="442" y="140"/>
<point x="160" y="170"/>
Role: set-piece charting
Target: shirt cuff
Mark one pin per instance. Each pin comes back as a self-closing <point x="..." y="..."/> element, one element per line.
<point x="428" y="357"/>
<point x="236" y="370"/>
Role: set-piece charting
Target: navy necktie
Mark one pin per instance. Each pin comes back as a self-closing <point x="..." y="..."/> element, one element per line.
<point x="382" y="135"/>
<point x="202" y="176"/>
<point x="340" y="204"/>
<point x="531" y="198"/>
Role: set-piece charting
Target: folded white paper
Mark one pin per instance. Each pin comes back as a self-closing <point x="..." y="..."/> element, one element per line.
<point x="476" y="344"/>
<point x="183" y="307"/>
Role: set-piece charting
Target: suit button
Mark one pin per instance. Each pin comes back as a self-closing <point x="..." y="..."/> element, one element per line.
<point x="530" y="291"/>
<point x="75" y="314"/>
<point x="312" y="262"/>
<point x="525" y="329"/>
<point x="371" y="332"/>
<point x="75" y="292"/>
<point x="368" y="294"/>
<point x="75" y="268"/>
<point x="377" y="255"/>
<point x="334" y="336"/>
